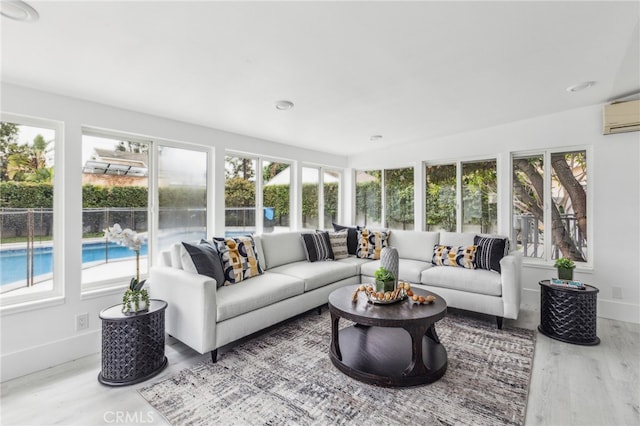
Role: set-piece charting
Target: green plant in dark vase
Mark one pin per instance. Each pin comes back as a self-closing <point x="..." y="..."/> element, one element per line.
<point x="565" y="268"/>
<point x="385" y="281"/>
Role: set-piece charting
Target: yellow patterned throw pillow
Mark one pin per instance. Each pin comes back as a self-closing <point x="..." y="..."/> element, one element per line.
<point x="239" y="258"/>
<point x="371" y="243"/>
<point x="463" y="257"/>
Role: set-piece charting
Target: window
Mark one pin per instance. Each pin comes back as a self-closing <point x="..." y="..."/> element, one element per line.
<point x="472" y="185"/>
<point x="320" y="197"/>
<point x="240" y="196"/>
<point x="398" y="193"/>
<point x="479" y="197"/>
<point x="115" y="190"/>
<point x="310" y="198"/>
<point x="385" y="194"/>
<point x="331" y="193"/>
<point x="29" y="253"/>
<point x="441" y="198"/>
<point x="549" y="200"/>
<point x="276" y="196"/>
<point x="369" y="198"/>
<point x="182" y="195"/>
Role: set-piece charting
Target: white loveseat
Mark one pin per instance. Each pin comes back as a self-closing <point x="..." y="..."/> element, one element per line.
<point x="207" y="317"/>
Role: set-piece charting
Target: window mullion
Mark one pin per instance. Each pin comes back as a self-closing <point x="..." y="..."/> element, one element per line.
<point x="458" y="196"/>
<point x="547" y="202"/>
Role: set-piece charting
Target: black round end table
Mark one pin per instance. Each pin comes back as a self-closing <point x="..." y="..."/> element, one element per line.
<point x="568" y="314"/>
<point x="132" y="344"/>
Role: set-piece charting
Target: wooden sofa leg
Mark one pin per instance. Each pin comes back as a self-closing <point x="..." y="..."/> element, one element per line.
<point x="319" y="310"/>
<point x="499" y="321"/>
<point x="214" y="356"/>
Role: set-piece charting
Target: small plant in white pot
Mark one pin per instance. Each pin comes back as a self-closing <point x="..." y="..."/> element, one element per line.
<point x="135" y="298"/>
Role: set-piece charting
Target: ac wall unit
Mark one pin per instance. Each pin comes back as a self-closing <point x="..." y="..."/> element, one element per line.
<point x="621" y="117"/>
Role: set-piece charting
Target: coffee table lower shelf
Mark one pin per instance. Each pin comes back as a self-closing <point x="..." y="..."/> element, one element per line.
<point x="381" y="355"/>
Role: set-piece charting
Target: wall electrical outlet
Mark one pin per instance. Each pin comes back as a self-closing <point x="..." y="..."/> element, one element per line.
<point x="616" y="292"/>
<point x="82" y="322"/>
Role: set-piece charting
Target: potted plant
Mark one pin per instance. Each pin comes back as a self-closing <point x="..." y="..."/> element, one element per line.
<point x="385" y="281"/>
<point x="135" y="298"/>
<point x="565" y="268"/>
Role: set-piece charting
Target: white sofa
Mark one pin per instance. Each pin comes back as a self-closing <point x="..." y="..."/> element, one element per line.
<point x="206" y="317"/>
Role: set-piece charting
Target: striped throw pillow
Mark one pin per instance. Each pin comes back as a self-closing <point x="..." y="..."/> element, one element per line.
<point x="317" y="246"/>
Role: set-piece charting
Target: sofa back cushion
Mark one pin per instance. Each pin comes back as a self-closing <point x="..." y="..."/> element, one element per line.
<point x="453" y="239"/>
<point x="416" y="245"/>
<point x="281" y="248"/>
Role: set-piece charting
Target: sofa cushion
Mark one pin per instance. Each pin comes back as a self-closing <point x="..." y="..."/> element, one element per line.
<point x="203" y="259"/>
<point x="239" y="259"/>
<point x="355" y="261"/>
<point x="352" y="237"/>
<point x="175" y="253"/>
<point x="317" y="246"/>
<point x="255" y="293"/>
<point x="317" y="274"/>
<point x="414" y="244"/>
<point x="471" y="280"/>
<point x="338" y="241"/>
<point x="257" y="240"/>
<point x="490" y="252"/>
<point x="371" y="243"/>
<point x="458" y="256"/>
<point x="408" y="269"/>
<point x="456" y="238"/>
<point x="281" y="248"/>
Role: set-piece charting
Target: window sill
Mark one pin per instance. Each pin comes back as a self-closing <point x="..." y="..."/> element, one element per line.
<point x="540" y="264"/>
<point x="16" y="308"/>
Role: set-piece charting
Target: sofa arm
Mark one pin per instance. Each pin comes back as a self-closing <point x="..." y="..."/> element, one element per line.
<point x="511" y="276"/>
<point x="191" y="311"/>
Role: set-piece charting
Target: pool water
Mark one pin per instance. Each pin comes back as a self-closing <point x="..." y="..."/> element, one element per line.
<point x="13" y="263"/>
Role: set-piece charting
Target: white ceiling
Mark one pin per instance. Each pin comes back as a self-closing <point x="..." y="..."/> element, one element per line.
<point x="409" y="71"/>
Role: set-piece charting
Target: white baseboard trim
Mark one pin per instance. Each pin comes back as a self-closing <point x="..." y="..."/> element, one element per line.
<point x="36" y="358"/>
<point x="610" y="309"/>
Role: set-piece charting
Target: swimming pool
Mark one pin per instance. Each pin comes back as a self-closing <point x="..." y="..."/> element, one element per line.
<point x="13" y="263"/>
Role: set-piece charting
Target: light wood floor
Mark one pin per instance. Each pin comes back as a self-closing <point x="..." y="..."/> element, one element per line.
<point x="570" y="385"/>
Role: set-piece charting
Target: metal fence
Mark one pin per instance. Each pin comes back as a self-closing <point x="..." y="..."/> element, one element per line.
<point x="529" y="235"/>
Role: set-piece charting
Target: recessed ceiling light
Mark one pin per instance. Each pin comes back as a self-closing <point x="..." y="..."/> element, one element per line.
<point x="580" y="86"/>
<point x="284" y="105"/>
<point x="18" y="11"/>
<point x="375" y="138"/>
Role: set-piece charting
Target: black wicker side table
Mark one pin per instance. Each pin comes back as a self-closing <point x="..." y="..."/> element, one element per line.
<point x="132" y="344"/>
<point x="568" y="314"/>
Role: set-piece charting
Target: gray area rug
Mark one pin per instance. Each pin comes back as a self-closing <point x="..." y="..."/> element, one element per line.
<point x="285" y="377"/>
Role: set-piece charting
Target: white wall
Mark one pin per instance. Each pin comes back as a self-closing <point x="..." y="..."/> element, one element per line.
<point x="613" y="173"/>
<point x="35" y="339"/>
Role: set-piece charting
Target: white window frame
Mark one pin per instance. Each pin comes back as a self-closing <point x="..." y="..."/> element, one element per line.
<point x="547" y="202"/>
<point x="97" y="288"/>
<point x="458" y="164"/>
<point x="13" y="303"/>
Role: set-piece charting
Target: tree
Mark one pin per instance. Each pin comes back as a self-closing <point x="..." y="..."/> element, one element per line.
<point x="28" y="162"/>
<point x="272" y="169"/>
<point x="130" y="146"/>
<point x="399" y="196"/>
<point x="239" y="168"/>
<point x="8" y="138"/>
<point x="529" y="189"/>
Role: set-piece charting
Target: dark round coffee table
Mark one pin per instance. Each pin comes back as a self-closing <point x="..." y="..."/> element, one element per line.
<point x="389" y="345"/>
